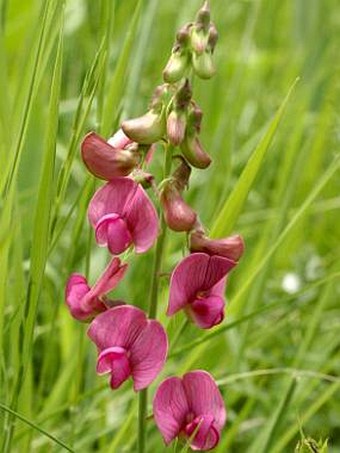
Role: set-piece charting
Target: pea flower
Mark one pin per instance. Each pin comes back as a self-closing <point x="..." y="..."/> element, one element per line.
<point x="129" y="345"/>
<point x="122" y="214"/>
<point x="190" y="407"/>
<point x="85" y="302"/>
<point x="106" y="160"/>
<point x="197" y="285"/>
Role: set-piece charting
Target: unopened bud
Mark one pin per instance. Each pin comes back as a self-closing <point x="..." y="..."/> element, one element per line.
<point x="231" y="247"/>
<point x="176" y="124"/>
<point x="106" y="162"/>
<point x="177" y="214"/>
<point x="176" y="66"/>
<point x="203" y="64"/>
<point x="181" y="174"/>
<point x="183" y="35"/>
<point x="183" y="95"/>
<point x="146" y="129"/>
<point x="195" y="119"/>
<point x="203" y="15"/>
<point x="213" y="37"/>
<point x="194" y="153"/>
<point x="199" y="39"/>
<point x="159" y="97"/>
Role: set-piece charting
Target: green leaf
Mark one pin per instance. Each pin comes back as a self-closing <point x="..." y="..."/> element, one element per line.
<point x="232" y="208"/>
<point x="118" y="81"/>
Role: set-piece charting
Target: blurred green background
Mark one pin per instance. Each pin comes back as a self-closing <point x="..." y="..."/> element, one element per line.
<point x="86" y="65"/>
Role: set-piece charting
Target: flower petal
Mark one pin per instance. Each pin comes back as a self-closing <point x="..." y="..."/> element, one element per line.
<point x="83" y="305"/>
<point x="206" y="436"/>
<point x="142" y="220"/>
<point x="217" y="268"/>
<point x="118" y="326"/>
<point x="207" y="312"/>
<point x="231" y="247"/>
<point x="119" y="140"/>
<point x="111" y="230"/>
<point x="204" y="396"/>
<point x="148" y="354"/>
<point x="105" y="358"/>
<point x="104" y="160"/>
<point x="170" y="408"/>
<point x="115" y="361"/>
<point x="111" y="199"/>
<point x="109" y="279"/>
<point x="186" y="281"/>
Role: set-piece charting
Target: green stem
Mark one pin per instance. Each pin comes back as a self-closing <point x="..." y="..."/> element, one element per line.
<point x="143" y="396"/>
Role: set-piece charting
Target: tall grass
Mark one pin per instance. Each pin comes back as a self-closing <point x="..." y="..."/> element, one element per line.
<point x="69" y="67"/>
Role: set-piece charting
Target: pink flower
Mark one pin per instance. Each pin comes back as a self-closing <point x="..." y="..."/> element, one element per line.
<point x="122" y="214"/>
<point x="129" y="345"/>
<point x="106" y="160"/>
<point x="193" y="403"/>
<point x="84" y="302"/>
<point x="197" y="285"/>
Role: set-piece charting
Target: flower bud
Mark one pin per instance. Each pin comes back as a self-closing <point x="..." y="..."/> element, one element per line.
<point x="181" y="174"/>
<point x="203" y="16"/>
<point x="183" y="35"/>
<point x="213" y="37"/>
<point x="176" y="65"/>
<point x="177" y="214"/>
<point x="159" y="98"/>
<point x="194" y="153"/>
<point x="195" y="119"/>
<point x="106" y="162"/>
<point x="146" y="129"/>
<point x="231" y="247"/>
<point x="176" y="124"/>
<point x="199" y="39"/>
<point x="203" y="64"/>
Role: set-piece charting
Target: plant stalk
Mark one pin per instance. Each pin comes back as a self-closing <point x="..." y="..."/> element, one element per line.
<point x="143" y="395"/>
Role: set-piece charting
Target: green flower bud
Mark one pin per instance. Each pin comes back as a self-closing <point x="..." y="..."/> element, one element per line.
<point x="176" y="66"/>
<point x="203" y="65"/>
<point x="203" y="16"/>
<point x="199" y="39"/>
<point x="183" y="35"/>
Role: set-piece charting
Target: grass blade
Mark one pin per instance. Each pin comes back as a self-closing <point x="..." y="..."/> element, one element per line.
<point x="232" y="208"/>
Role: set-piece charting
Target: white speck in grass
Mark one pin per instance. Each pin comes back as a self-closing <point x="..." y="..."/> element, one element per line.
<point x="291" y="283"/>
<point x="75" y="13"/>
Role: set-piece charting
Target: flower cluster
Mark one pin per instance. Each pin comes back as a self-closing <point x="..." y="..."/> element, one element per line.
<point x="123" y="217"/>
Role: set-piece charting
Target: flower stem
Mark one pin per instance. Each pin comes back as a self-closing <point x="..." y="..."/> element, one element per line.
<point x="143" y="395"/>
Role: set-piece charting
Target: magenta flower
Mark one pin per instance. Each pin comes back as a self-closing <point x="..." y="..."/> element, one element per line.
<point x="193" y="403"/>
<point x="129" y="345"/>
<point x="106" y="160"/>
<point x="84" y="302"/>
<point x="197" y="285"/>
<point x="122" y="214"/>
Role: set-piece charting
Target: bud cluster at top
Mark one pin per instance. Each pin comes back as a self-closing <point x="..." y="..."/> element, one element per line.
<point x="193" y="48"/>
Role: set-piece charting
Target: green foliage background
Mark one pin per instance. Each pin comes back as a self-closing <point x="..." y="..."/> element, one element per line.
<point x="67" y="69"/>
